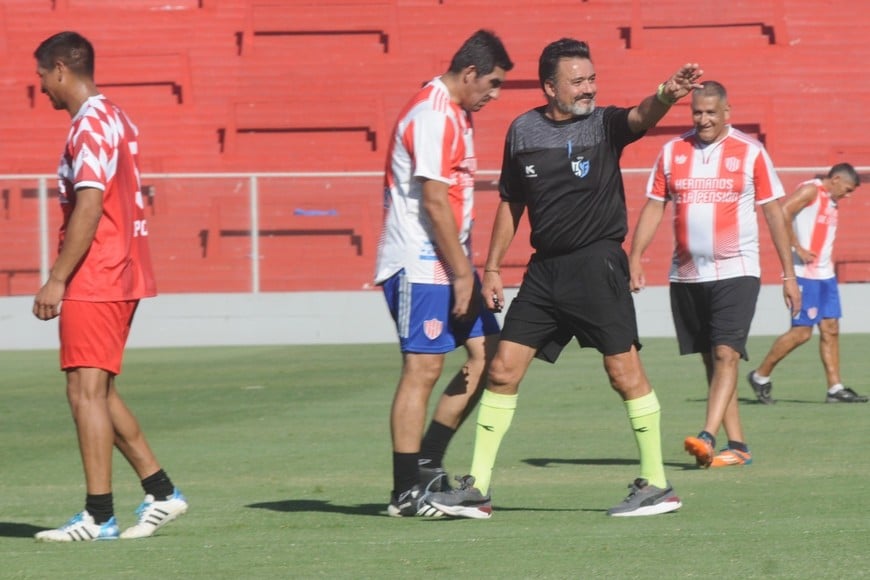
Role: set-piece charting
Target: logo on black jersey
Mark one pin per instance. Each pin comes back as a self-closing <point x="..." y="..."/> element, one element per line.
<point x="530" y="171"/>
<point x="580" y="167"/>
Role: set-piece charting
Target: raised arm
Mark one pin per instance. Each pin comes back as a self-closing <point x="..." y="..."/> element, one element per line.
<point x="654" y="107"/>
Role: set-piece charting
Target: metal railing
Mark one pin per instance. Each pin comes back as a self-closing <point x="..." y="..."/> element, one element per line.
<point x="257" y="214"/>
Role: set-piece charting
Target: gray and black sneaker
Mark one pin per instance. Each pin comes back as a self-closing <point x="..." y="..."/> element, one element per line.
<point x="410" y="503"/>
<point x="845" y="395"/>
<point x="646" y="500"/>
<point x="434" y="479"/>
<point x="464" y="502"/>
<point x="762" y="392"/>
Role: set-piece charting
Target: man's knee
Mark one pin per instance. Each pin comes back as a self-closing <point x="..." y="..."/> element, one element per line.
<point x="626" y="374"/>
<point x="503" y="376"/>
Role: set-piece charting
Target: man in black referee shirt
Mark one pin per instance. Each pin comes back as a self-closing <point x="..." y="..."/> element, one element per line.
<point x="561" y="163"/>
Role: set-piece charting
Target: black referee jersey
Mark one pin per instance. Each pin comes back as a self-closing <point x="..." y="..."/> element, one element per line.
<point x="567" y="174"/>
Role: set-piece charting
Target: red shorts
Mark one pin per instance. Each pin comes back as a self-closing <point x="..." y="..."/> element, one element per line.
<point x="93" y="334"/>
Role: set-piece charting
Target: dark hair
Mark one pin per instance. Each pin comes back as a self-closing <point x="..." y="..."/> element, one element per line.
<point x="846" y="170"/>
<point x="484" y="51"/>
<point x="554" y="52"/>
<point x="70" y="48"/>
<point x="712" y="89"/>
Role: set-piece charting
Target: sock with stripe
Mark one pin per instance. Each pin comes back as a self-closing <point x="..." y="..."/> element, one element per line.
<point x="493" y="420"/>
<point x="644" y="414"/>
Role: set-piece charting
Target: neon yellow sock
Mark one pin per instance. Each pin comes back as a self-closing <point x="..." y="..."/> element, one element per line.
<point x="493" y="421"/>
<point x="645" y="414"/>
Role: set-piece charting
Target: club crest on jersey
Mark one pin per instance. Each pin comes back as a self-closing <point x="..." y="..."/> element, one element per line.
<point x="732" y="164"/>
<point x="580" y="167"/>
<point x="432" y="328"/>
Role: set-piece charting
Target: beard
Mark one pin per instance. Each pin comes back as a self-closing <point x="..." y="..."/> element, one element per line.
<point x="576" y="108"/>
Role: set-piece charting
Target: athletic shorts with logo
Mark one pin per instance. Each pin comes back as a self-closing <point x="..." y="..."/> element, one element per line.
<point x="819" y="299"/>
<point x="93" y="334"/>
<point x="583" y="295"/>
<point x="423" y="319"/>
<point x="719" y="312"/>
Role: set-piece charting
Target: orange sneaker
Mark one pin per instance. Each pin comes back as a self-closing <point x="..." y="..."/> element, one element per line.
<point x="701" y="449"/>
<point x="728" y="457"/>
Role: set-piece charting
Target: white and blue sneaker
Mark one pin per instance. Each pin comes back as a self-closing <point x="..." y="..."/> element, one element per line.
<point x="153" y="515"/>
<point x="81" y="528"/>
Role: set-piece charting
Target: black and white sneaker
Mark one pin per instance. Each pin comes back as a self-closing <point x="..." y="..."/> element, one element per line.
<point x="845" y="395"/>
<point x="410" y="503"/>
<point x="646" y="500"/>
<point x="762" y="391"/>
<point x="434" y="479"/>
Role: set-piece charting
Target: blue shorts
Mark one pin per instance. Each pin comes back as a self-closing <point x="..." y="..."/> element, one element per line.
<point x="423" y="319"/>
<point x="819" y="299"/>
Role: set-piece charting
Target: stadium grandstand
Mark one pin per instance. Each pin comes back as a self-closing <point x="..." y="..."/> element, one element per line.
<point x="273" y="117"/>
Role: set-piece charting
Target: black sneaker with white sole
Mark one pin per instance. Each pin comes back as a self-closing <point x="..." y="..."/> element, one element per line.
<point x="845" y="395"/>
<point x="762" y="391"/>
<point x="434" y="479"/>
<point x="410" y="503"/>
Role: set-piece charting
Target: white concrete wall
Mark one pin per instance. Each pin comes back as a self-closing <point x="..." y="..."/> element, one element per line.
<point x="339" y="318"/>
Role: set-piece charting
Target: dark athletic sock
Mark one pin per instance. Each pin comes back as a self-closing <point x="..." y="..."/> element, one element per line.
<point x="100" y="506"/>
<point x="434" y="444"/>
<point x="159" y="485"/>
<point x="709" y="437"/>
<point x="405" y="471"/>
<point x="738" y="445"/>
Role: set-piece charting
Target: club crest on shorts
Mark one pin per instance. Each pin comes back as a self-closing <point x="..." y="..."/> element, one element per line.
<point x="812" y="312"/>
<point x="433" y="328"/>
<point x="580" y="167"/>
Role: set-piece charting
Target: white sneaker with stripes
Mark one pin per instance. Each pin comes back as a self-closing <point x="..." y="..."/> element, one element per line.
<point x="80" y="528"/>
<point x="153" y="515"/>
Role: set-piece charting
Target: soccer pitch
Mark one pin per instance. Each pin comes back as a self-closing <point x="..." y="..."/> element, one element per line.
<point x="284" y="454"/>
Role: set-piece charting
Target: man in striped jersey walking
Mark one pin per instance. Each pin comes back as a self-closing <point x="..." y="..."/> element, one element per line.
<point x="716" y="176"/>
<point x="812" y="211"/>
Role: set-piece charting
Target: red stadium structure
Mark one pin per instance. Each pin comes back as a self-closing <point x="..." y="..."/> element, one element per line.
<point x="289" y="104"/>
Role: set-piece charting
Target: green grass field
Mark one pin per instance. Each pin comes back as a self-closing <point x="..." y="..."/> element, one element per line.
<point x="284" y="454"/>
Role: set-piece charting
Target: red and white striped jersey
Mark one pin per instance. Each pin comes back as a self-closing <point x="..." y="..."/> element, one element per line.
<point x="432" y="139"/>
<point x="102" y="152"/>
<point x="815" y="227"/>
<point x="715" y="189"/>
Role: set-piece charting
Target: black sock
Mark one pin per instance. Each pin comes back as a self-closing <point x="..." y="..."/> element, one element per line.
<point x="434" y="444"/>
<point x="405" y="472"/>
<point x="100" y="506"/>
<point x="159" y="485"/>
<point x="738" y="445"/>
<point x="709" y="437"/>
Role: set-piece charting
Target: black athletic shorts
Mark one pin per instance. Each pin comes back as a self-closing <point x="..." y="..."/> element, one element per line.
<point x="708" y="314"/>
<point x="584" y="294"/>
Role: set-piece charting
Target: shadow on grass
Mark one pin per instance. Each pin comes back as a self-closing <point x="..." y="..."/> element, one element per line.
<point x="322" y="506"/>
<point x="368" y="509"/>
<point x="756" y="402"/>
<point x="16" y="530"/>
<point x="547" y="461"/>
